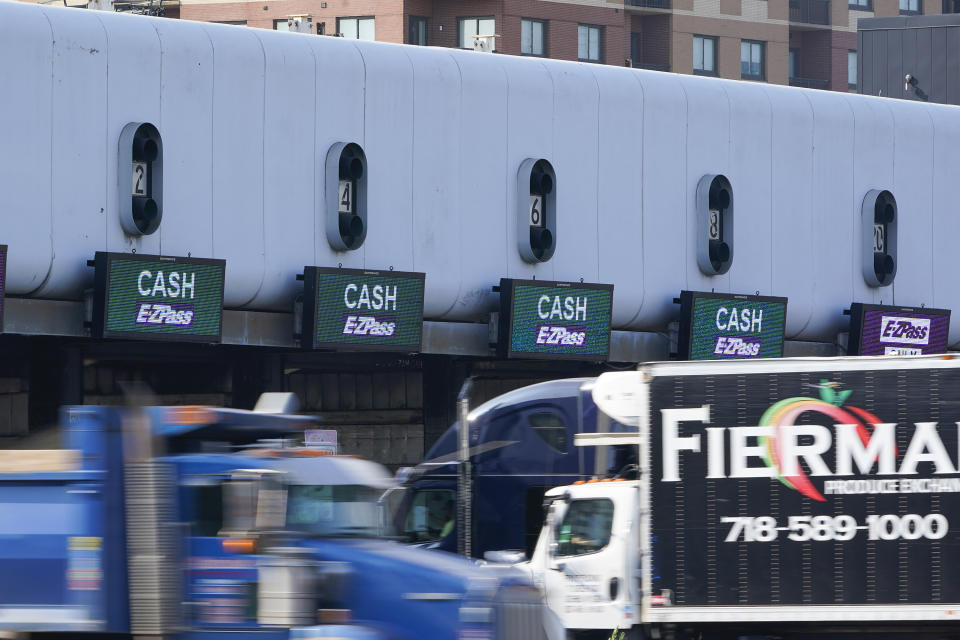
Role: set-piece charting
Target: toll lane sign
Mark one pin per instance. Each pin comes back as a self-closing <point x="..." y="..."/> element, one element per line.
<point x="879" y="330"/>
<point x="356" y="309"/>
<point x="555" y="320"/>
<point x="158" y="297"/>
<point x="720" y="326"/>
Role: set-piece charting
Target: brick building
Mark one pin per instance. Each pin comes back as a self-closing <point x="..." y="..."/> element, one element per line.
<point x="808" y="43"/>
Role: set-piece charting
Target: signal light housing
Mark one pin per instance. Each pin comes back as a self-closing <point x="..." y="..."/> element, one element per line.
<point x="879" y="237"/>
<point x="140" y="178"/>
<point x="536" y="210"/>
<point x="346" y="196"/>
<point x="714" y="224"/>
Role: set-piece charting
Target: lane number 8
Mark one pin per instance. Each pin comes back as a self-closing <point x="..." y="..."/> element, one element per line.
<point x="713" y="232"/>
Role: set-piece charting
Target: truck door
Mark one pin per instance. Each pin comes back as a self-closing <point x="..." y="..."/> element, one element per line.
<point x="587" y="572"/>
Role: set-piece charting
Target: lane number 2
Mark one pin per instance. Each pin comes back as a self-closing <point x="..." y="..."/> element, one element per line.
<point x="139" y="178"/>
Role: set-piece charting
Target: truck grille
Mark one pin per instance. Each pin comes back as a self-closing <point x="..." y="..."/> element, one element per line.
<point x="152" y="549"/>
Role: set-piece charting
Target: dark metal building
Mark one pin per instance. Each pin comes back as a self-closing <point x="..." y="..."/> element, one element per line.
<point x="910" y="57"/>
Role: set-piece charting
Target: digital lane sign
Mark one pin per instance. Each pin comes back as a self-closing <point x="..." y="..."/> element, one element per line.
<point x="158" y="297"/>
<point x="719" y="326"/>
<point x="555" y="320"/>
<point x="357" y="309"/>
<point x="882" y="330"/>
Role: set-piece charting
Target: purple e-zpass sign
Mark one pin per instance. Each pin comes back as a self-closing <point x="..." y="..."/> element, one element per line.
<point x="885" y="330"/>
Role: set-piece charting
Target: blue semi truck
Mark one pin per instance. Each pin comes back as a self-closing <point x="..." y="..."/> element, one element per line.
<point x="164" y="521"/>
<point x="521" y="445"/>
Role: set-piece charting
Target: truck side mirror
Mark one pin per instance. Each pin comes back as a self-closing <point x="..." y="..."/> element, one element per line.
<point x="239" y="505"/>
<point x="553" y="553"/>
<point x="271" y="503"/>
<point x="549" y="512"/>
<point x="255" y="500"/>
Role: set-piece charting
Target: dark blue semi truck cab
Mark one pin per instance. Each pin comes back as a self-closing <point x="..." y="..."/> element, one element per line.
<point x="521" y="445"/>
<point x="164" y="521"/>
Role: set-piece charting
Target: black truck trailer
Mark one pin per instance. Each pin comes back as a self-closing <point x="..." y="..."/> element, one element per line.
<point x="776" y="498"/>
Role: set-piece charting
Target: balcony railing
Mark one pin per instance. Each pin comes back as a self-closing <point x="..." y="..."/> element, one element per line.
<point x="810" y="11"/>
<point x="809" y="83"/>
<point x="651" y="4"/>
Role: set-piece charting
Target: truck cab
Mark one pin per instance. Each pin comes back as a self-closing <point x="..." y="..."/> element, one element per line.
<point x="323" y="560"/>
<point x="327" y="495"/>
<point x="586" y="560"/>
<point x="166" y="521"/>
<point x="521" y="445"/>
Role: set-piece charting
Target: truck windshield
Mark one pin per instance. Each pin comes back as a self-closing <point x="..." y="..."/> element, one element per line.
<point x="334" y="510"/>
<point x="585" y="527"/>
<point x="421" y="515"/>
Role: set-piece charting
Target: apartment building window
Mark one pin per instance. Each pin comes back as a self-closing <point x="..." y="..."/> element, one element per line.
<point x="470" y="27"/>
<point x="636" y="49"/>
<point x="418" y="31"/>
<point x="704" y="55"/>
<point x="852" y="69"/>
<point x="321" y="28"/>
<point x="239" y="23"/>
<point x="588" y="42"/>
<point x="531" y="37"/>
<point x="751" y="60"/>
<point x="860" y="5"/>
<point x="910" y="7"/>
<point x="792" y="64"/>
<point x="356" y="28"/>
<point x="951" y="6"/>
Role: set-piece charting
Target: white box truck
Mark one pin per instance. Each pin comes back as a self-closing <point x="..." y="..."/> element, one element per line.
<point x="771" y="498"/>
